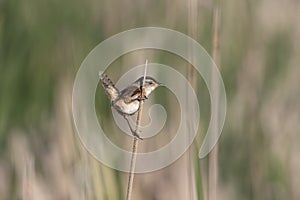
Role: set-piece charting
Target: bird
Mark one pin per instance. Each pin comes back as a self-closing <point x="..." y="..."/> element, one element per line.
<point x="127" y="101"/>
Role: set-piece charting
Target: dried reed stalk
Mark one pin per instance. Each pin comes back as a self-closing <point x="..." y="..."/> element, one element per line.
<point x="213" y="156"/>
<point x="135" y="142"/>
<point x="191" y="76"/>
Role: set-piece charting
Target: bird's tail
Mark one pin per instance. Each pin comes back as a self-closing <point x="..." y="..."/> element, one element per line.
<point x="109" y="87"/>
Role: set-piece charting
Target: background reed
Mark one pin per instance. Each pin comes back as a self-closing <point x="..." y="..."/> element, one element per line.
<point x="42" y="44"/>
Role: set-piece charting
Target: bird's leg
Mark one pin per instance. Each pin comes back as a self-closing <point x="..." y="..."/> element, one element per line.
<point x="142" y="98"/>
<point x="134" y="133"/>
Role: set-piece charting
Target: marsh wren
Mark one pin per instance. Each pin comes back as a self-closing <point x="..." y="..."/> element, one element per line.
<point x="127" y="101"/>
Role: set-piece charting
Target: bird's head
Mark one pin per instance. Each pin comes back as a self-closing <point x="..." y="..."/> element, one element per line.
<point x="150" y="84"/>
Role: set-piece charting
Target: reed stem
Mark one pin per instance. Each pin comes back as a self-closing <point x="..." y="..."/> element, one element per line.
<point x="135" y="142"/>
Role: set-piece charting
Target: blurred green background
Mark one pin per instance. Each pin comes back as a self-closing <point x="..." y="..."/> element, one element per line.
<point x="42" y="44"/>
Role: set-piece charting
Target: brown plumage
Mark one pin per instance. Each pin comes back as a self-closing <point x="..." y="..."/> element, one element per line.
<point x="126" y="102"/>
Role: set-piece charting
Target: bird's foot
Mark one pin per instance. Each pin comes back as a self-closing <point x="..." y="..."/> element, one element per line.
<point x="142" y="98"/>
<point x="137" y="136"/>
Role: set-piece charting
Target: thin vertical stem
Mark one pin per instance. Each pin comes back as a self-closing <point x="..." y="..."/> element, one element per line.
<point x="135" y="141"/>
<point x="213" y="157"/>
<point x="132" y="168"/>
<point x="193" y="32"/>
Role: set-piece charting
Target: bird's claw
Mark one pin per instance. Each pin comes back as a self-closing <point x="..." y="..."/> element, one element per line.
<point x="142" y="98"/>
<point x="137" y="136"/>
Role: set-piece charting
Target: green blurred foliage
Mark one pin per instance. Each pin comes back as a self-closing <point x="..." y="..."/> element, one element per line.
<point x="42" y="44"/>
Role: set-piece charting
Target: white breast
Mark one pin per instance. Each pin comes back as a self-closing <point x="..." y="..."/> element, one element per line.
<point x="148" y="90"/>
<point x="128" y="109"/>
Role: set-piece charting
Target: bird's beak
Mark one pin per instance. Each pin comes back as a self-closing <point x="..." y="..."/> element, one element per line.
<point x="161" y="84"/>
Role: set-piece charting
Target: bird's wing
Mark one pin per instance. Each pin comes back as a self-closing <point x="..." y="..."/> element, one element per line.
<point x="131" y="93"/>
